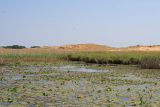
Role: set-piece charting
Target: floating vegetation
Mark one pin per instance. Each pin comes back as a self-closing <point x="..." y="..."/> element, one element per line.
<point x="66" y="84"/>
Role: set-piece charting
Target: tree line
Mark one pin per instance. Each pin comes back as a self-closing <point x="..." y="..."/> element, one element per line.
<point x="18" y="47"/>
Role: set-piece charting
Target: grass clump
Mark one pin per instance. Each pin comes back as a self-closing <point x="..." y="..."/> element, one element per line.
<point x="150" y="62"/>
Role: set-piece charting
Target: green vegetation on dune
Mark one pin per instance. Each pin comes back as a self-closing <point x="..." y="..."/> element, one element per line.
<point x="35" y="47"/>
<point x="14" y="47"/>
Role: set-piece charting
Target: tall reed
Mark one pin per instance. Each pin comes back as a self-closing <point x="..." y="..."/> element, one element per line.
<point x="150" y="62"/>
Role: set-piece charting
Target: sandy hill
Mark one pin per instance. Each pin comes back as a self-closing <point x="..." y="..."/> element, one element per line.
<point x="77" y="48"/>
<point x="141" y="48"/>
<point x="96" y="47"/>
<point x="83" y="47"/>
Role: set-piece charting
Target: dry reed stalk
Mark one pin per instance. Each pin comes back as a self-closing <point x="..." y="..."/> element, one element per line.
<point x="1" y="60"/>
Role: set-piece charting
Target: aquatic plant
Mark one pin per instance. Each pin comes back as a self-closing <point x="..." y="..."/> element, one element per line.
<point x="49" y="87"/>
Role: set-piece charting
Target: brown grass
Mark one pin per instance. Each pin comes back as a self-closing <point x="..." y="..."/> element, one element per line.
<point x="14" y="60"/>
<point x="30" y="51"/>
<point x="150" y="62"/>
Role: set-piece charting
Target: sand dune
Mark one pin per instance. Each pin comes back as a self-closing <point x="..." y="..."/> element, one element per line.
<point x="141" y="48"/>
<point x="78" y="48"/>
<point x="83" y="47"/>
<point x="96" y="47"/>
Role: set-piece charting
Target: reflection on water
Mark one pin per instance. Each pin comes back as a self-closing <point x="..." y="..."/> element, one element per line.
<point x="60" y="68"/>
<point x="78" y="69"/>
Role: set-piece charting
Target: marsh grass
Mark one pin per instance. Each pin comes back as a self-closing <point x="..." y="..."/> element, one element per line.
<point x="151" y="62"/>
<point x="106" y="57"/>
<point x="144" y="59"/>
<point x="14" y="58"/>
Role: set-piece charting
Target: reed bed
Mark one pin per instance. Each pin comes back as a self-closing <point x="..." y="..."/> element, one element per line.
<point x="152" y="62"/>
<point x="143" y="59"/>
<point x="7" y="58"/>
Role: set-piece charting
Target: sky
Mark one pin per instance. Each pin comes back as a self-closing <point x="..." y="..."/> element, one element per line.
<point x="117" y="23"/>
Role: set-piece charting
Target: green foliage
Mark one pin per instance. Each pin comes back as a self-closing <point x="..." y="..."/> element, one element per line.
<point x="14" y="47"/>
<point x="35" y="46"/>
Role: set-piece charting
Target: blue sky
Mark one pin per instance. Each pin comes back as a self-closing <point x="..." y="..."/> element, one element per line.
<point x="116" y="23"/>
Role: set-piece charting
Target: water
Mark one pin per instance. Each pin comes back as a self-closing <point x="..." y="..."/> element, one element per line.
<point x="62" y="86"/>
<point x="79" y="69"/>
<point x="61" y="68"/>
